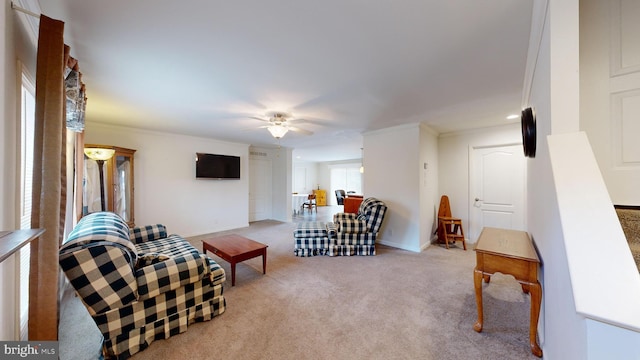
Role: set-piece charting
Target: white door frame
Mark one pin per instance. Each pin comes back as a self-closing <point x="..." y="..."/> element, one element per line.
<point x="473" y="232"/>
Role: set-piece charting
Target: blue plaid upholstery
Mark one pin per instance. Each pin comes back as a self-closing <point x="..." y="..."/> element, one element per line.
<point x="362" y="238"/>
<point x="351" y="250"/>
<point x="352" y="226"/>
<point x="356" y="233"/>
<point x="310" y="252"/>
<point x="99" y="261"/>
<point x="137" y="293"/>
<point x="146" y="259"/>
<point x="311" y="238"/>
<point x="348" y="234"/>
<point x="332" y="229"/>
<point x="310" y="229"/>
<point x="140" y="234"/>
<point x="340" y="217"/>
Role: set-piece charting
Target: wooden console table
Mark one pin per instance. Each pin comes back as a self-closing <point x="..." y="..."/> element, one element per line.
<point x="509" y="252"/>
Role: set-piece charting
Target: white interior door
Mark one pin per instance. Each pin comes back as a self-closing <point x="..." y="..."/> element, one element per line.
<point x="259" y="189"/>
<point x="497" y="189"/>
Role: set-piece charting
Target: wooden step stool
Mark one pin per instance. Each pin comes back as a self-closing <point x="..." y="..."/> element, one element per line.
<point x="449" y="228"/>
<point x="452" y="230"/>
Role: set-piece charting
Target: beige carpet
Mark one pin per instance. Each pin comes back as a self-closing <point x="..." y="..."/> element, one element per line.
<point x="630" y="222"/>
<point x="395" y="305"/>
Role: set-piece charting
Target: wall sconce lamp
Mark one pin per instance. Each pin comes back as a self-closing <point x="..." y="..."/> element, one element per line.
<point x="99" y="155"/>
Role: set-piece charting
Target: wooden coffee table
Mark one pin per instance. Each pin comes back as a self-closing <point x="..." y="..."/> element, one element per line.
<point x="234" y="249"/>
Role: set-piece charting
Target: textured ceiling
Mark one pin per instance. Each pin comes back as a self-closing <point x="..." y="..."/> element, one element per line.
<point x="344" y="66"/>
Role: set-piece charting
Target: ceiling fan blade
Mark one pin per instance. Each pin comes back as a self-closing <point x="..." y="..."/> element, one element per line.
<point x="257" y="118"/>
<point x="312" y="121"/>
<point x="301" y="131"/>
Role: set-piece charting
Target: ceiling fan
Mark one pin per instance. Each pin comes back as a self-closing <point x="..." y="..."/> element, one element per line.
<point x="278" y="124"/>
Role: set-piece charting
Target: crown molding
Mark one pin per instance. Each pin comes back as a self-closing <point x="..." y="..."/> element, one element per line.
<point x="538" y="20"/>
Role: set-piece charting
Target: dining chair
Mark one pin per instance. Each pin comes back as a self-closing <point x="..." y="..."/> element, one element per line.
<point x="340" y="194"/>
<point x="310" y="203"/>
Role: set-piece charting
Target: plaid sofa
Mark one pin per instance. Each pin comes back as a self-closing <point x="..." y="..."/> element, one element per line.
<point x="349" y="234"/>
<point x="139" y="284"/>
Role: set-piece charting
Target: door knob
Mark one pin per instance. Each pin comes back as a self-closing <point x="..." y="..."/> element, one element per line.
<point x="478" y="200"/>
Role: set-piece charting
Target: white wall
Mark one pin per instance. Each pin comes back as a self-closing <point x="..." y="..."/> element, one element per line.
<point x="166" y="190"/>
<point x="401" y="168"/>
<point x="428" y="188"/>
<point x="281" y="162"/>
<point x="392" y="172"/>
<point x="553" y="90"/>
<point x="308" y="172"/>
<point x="453" y="163"/>
<point x="570" y="227"/>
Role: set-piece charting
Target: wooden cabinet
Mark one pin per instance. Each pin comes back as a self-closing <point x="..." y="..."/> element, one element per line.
<point x="118" y="184"/>
<point x="321" y="197"/>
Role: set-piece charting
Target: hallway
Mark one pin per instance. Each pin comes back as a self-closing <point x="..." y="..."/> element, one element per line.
<point x="324" y="214"/>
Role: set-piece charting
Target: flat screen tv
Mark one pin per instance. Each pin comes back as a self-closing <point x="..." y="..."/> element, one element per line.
<point x="213" y="166"/>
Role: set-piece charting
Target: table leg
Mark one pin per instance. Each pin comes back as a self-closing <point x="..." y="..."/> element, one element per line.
<point x="233" y="273"/>
<point x="264" y="261"/>
<point x="477" y="283"/>
<point x="536" y="298"/>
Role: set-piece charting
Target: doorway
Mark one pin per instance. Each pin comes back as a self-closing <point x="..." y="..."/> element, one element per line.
<point x="260" y="189"/>
<point x="497" y="185"/>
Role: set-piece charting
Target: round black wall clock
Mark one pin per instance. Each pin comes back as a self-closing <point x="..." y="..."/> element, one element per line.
<point x="528" y="122"/>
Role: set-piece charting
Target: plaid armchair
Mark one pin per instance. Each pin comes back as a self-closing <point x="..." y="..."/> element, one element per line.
<point x="356" y="233"/>
<point x="139" y="284"/>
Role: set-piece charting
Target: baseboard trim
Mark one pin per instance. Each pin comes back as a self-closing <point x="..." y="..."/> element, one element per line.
<point x="397" y="245"/>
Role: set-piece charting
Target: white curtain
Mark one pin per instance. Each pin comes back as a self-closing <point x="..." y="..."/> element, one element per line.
<point x="91" y="188"/>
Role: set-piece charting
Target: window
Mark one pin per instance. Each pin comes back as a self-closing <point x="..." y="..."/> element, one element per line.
<point x="346" y="177"/>
<point x="27" y="121"/>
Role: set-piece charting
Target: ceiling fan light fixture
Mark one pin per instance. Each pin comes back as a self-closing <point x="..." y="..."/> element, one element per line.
<point x="277" y="131"/>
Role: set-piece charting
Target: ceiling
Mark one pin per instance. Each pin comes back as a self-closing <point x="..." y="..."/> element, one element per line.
<point x="203" y="68"/>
